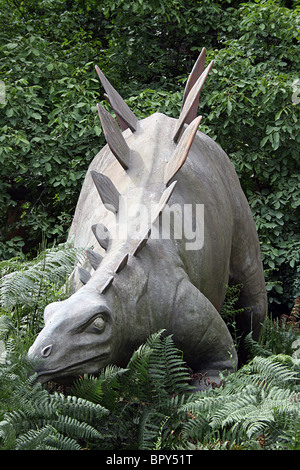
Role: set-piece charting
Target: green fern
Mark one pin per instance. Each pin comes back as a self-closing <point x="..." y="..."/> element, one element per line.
<point x="229" y="308"/>
<point x="167" y="370"/>
<point x="46" y="438"/>
<point x="275" y="338"/>
<point x="48" y="417"/>
<point x="230" y="311"/>
<point x="103" y="389"/>
<point x="27" y="287"/>
<point x="150" y="405"/>
<point x="150" y="429"/>
<point x="32" y="418"/>
<point x="144" y="397"/>
<point x="25" y="282"/>
<point x="260" y="399"/>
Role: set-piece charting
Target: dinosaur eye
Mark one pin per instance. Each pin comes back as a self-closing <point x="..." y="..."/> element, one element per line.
<point x="99" y="323"/>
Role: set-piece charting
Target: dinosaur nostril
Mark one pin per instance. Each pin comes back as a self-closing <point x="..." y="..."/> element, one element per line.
<point x="47" y="350"/>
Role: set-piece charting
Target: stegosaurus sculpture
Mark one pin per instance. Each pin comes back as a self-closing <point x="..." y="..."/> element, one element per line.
<point x="171" y="229"/>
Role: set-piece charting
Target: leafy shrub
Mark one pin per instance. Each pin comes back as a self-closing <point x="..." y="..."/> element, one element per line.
<point x="48" y="119"/>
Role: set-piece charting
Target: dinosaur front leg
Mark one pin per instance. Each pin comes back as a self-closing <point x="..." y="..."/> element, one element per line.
<point x="201" y="333"/>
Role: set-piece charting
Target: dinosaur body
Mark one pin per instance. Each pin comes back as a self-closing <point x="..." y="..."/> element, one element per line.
<point x="170" y="230"/>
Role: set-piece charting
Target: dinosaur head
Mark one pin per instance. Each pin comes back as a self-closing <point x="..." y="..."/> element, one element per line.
<point x="77" y="337"/>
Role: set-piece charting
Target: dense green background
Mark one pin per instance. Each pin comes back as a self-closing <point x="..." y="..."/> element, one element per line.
<point x="50" y="131"/>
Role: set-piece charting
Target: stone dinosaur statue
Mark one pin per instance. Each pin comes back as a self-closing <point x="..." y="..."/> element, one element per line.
<point x="139" y="281"/>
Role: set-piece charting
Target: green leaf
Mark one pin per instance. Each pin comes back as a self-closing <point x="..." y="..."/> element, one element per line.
<point x="264" y="141"/>
<point x="11" y="45"/>
<point x="276" y="137"/>
<point x="36" y="116"/>
<point x="35" y="51"/>
<point x="98" y="130"/>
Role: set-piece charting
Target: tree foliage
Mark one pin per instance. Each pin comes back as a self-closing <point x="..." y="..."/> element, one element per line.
<point x="50" y="130"/>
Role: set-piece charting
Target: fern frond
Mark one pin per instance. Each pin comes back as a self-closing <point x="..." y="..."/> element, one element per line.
<point x="287" y="436"/>
<point x="103" y="389"/>
<point x="167" y="368"/>
<point x="233" y="410"/>
<point x="196" y="428"/>
<point x="150" y="429"/>
<point x="79" y="408"/>
<point x="46" y="438"/>
<point x="267" y="373"/>
<point x="137" y="376"/>
<point x="205" y="401"/>
<point x="255" y="347"/>
<point x="276" y="338"/>
<point x="23" y="286"/>
<point x="74" y="428"/>
<point x="57" y="441"/>
<point x="88" y="387"/>
<point x="229" y="308"/>
<point x="18" y="420"/>
<point x="34" y="439"/>
<point x="7" y="435"/>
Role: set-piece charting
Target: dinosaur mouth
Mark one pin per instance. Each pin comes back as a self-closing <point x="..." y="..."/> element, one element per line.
<point x="71" y="372"/>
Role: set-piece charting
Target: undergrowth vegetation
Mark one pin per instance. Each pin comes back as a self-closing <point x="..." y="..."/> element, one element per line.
<point x="49" y="125"/>
<point x="152" y="403"/>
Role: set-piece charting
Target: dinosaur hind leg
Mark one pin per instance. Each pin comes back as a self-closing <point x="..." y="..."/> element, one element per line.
<point x="247" y="270"/>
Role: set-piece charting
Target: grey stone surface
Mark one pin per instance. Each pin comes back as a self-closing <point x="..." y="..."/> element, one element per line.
<point x="145" y="283"/>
